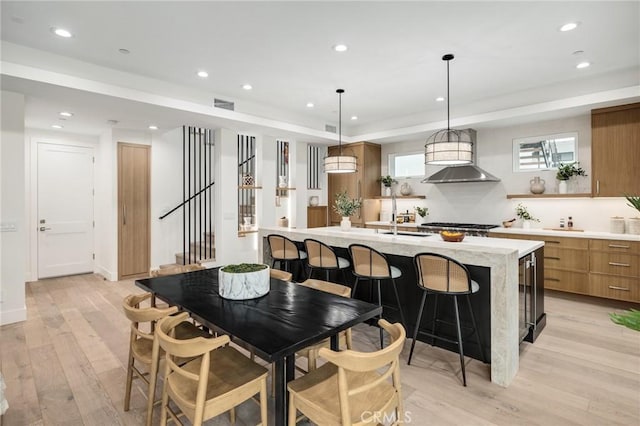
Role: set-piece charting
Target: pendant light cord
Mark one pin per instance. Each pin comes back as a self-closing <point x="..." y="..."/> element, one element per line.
<point x="448" y="112"/>
<point x="340" y="92"/>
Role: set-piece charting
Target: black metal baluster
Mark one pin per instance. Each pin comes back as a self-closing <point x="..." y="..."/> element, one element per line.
<point x="184" y="194"/>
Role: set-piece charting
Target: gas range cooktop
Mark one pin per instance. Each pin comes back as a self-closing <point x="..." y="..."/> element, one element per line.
<point x="458" y="225"/>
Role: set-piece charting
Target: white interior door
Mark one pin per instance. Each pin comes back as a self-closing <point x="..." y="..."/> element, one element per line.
<point x="65" y="210"/>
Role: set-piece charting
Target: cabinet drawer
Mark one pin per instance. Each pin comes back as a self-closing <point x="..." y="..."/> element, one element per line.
<point x="615" y="246"/>
<point x="614" y="287"/>
<point x="566" y="242"/>
<point x="558" y="258"/>
<point x="615" y="264"/>
<point x="573" y="282"/>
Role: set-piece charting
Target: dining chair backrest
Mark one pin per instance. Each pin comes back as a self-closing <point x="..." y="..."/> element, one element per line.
<point x="186" y="348"/>
<point x="441" y="274"/>
<point x="328" y="287"/>
<point x="138" y="315"/>
<point x="177" y="269"/>
<point x="320" y="255"/>
<point x="380" y="366"/>
<point x="282" y="248"/>
<point x="368" y="262"/>
<point x="280" y="275"/>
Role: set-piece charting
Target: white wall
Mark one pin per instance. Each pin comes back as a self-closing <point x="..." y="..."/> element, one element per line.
<point x="487" y="202"/>
<point x="13" y="250"/>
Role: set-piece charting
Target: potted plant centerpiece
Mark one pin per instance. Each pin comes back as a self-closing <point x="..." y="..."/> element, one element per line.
<point x="525" y="216"/>
<point x="345" y="207"/>
<point x="634" y="222"/>
<point x="566" y="172"/>
<point x="387" y="181"/>
<point x="421" y="214"/>
<point x="243" y="281"/>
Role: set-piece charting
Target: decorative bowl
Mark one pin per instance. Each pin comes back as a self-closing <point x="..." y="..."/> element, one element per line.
<point x="452" y="237"/>
<point x="237" y="285"/>
<point x="507" y="223"/>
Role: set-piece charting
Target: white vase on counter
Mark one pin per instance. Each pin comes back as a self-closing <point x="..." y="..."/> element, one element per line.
<point x="617" y="225"/>
<point x="345" y="223"/>
<point x="634" y="225"/>
<point x="526" y="224"/>
<point x="562" y="187"/>
<point x="387" y="191"/>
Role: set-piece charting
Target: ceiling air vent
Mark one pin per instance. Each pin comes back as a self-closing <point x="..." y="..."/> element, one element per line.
<point x="330" y="128"/>
<point x="219" y="103"/>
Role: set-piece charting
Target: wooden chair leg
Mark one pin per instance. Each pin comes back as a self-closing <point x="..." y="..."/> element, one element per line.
<point x="263" y="402"/>
<point x="127" y="390"/>
<point x="417" y="328"/>
<point x="292" y="410"/>
<point x="381" y="314"/>
<point x="232" y="415"/>
<point x="349" y="339"/>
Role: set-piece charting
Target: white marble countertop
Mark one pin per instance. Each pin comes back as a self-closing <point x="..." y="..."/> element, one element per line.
<point x="400" y="225"/>
<point x="575" y="234"/>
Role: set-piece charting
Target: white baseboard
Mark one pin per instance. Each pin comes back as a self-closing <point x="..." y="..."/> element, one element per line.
<point x="15" y="315"/>
<point x="110" y="276"/>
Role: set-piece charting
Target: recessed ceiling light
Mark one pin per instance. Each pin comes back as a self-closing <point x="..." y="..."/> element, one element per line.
<point x="583" y="65"/>
<point x="124" y="51"/>
<point x="340" y="48"/>
<point x="152" y="127"/>
<point x="354" y="117"/>
<point x="66" y="114"/>
<point x="203" y="74"/>
<point x="310" y="105"/>
<point x="62" y="32"/>
<point x="569" y="26"/>
<point x="56" y="126"/>
<point x="439" y="99"/>
<point x="247" y="86"/>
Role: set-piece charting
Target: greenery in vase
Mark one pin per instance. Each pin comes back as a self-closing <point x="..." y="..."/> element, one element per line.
<point x="387" y="180"/>
<point x="344" y="205"/>
<point x="629" y="319"/>
<point x="523" y="213"/>
<point x="634" y="202"/>
<point x="565" y="171"/>
<point x="422" y="211"/>
<point x="243" y="268"/>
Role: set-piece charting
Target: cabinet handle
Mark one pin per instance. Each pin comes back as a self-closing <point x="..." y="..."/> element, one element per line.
<point x="598" y="186"/>
<point x="615" y="287"/>
<point x="626" y="265"/>
<point x="552" y="242"/>
<point x="124" y="214"/>
<point x="552" y="257"/>
<point x="618" y="246"/>
<point x="552" y="279"/>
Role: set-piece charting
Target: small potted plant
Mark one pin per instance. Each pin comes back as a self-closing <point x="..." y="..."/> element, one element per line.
<point x="387" y="181"/>
<point x="634" y="222"/>
<point x="421" y="213"/>
<point x="243" y="281"/>
<point x="345" y="207"/>
<point x="525" y="216"/>
<point x="566" y="172"/>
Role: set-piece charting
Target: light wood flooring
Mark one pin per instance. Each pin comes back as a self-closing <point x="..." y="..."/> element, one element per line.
<point x="66" y="365"/>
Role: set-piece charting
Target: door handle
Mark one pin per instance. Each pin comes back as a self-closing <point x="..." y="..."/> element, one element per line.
<point x="552" y="257"/>
<point x="42" y="229"/>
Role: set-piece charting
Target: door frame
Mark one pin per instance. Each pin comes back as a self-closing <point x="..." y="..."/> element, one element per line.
<point x="118" y="210"/>
<point x="32" y="199"/>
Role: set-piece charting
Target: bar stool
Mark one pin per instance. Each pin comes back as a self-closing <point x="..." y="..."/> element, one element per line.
<point x="321" y="256"/>
<point x="284" y="251"/>
<point x="370" y="264"/>
<point x="442" y="275"/>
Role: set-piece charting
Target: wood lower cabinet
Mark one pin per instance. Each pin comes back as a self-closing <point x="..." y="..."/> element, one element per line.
<point x="316" y="216"/>
<point x="595" y="267"/>
<point x="615" y="150"/>
<point x="363" y="184"/>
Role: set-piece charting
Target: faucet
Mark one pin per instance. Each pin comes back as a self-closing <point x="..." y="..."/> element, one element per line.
<point x="394" y="213"/>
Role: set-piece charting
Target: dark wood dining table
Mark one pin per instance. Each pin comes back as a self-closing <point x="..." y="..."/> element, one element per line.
<point x="288" y="318"/>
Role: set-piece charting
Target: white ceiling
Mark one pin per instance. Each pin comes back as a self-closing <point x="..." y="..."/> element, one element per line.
<point x="508" y="55"/>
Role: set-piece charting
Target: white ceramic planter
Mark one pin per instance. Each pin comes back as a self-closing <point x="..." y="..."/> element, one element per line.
<point x="244" y="285"/>
<point x="345" y="223"/>
<point x="634" y="225"/>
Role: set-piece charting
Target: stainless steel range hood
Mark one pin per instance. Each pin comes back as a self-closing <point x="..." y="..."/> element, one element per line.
<point x="464" y="173"/>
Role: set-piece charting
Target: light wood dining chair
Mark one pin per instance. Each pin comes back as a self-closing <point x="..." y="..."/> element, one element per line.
<point x="141" y="343"/>
<point x="352" y="388"/>
<point x="345" y="340"/>
<point x="280" y="275"/>
<point x="177" y="269"/>
<point x="218" y="379"/>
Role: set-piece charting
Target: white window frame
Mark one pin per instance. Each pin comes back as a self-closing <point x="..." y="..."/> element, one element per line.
<point x="392" y="164"/>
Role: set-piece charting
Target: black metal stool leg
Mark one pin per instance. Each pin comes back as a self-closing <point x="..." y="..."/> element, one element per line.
<point x="381" y="316"/>
<point x="395" y="290"/>
<point x="273" y="264"/>
<point x="355" y="286"/>
<point x="460" y="350"/>
<point x="476" y="330"/>
<point x="415" y="331"/>
<point x="326" y="274"/>
<point x="344" y="276"/>
<point x="435" y="317"/>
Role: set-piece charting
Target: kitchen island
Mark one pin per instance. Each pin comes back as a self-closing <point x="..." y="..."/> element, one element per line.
<point x="493" y="262"/>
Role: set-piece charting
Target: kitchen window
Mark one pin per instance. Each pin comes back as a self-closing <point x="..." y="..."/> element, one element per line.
<point x="406" y="165"/>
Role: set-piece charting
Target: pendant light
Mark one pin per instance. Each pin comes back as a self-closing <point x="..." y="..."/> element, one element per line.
<point x="340" y="163"/>
<point x="449" y="146"/>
